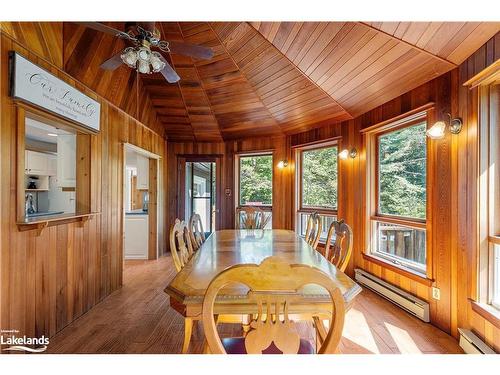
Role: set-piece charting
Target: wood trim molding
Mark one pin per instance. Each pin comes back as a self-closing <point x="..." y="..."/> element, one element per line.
<point x="411" y="275"/>
<point x="400" y="119"/>
<point x="485" y="76"/>
<point x="488" y="312"/>
<point x="40" y="225"/>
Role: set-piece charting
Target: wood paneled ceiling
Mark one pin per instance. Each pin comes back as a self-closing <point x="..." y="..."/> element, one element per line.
<point x="274" y="78"/>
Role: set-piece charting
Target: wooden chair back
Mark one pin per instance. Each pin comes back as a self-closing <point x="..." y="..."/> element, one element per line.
<point x="339" y="252"/>
<point x="313" y="229"/>
<point x="273" y="285"/>
<point x="196" y="231"/>
<point x="180" y="244"/>
<point x="250" y="218"/>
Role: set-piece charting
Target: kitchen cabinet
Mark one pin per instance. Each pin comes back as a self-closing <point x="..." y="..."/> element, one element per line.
<point x="66" y="161"/>
<point x="40" y="164"/>
<point x="142" y="172"/>
<point x="52" y="165"/>
<point x="136" y="233"/>
<point x="36" y="163"/>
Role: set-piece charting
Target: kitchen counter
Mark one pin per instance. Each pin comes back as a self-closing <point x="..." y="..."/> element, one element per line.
<point x="136" y="212"/>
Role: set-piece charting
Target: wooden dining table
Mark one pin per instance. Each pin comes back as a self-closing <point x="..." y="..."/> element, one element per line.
<point x="226" y="248"/>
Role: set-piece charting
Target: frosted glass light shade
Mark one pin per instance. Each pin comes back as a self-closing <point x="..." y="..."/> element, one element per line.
<point x="344" y="154"/>
<point x="143" y="67"/>
<point x="437" y="130"/>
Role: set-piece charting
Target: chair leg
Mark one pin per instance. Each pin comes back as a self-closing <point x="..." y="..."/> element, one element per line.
<point x="188" y="330"/>
<point x="320" y="331"/>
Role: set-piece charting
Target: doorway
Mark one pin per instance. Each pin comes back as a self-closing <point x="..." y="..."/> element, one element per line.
<point x="140" y="201"/>
<point x="198" y="190"/>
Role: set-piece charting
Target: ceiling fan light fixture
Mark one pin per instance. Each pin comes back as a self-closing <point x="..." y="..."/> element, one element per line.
<point x="156" y="63"/>
<point x="143" y="53"/>
<point x="129" y="57"/>
<point x="143" y="67"/>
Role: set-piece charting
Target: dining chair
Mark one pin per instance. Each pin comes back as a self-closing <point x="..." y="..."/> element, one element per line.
<point x="274" y="286"/>
<point x="182" y="251"/>
<point x="180" y="244"/>
<point x="313" y="230"/>
<point x="196" y="231"/>
<point x="339" y="251"/>
<point x="250" y="218"/>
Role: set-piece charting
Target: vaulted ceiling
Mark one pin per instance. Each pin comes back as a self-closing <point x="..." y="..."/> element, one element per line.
<point x="274" y="78"/>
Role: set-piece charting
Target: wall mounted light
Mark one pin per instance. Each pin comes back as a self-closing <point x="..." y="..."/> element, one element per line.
<point x="282" y="164"/>
<point x="345" y="153"/>
<point x="437" y="130"/>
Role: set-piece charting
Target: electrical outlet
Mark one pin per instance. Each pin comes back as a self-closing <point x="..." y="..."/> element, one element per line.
<point x="436" y="293"/>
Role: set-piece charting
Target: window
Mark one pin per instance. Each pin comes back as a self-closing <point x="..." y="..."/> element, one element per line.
<point x="398" y="155"/>
<point x="489" y="200"/>
<point x="51" y="177"/>
<point x="317" y="189"/>
<point x="255" y="182"/>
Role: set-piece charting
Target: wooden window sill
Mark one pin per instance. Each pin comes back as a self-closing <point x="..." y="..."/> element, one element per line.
<point x="402" y="271"/>
<point x="488" y="312"/>
<point x="42" y="222"/>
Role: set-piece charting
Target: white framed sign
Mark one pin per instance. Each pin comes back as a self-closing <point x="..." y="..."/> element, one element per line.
<point x="35" y="85"/>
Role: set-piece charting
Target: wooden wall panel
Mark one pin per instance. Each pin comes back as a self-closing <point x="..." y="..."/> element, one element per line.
<point x="48" y="281"/>
<point x="465" y="166"/>
<point x="42" y="38"/>
<point x="85" y="49"/>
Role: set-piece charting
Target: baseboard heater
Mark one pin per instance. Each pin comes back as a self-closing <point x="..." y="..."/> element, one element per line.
<point x="471" y="344"/>
<point x="406" y="301"/>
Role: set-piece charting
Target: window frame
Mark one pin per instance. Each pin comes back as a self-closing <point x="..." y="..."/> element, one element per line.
<point x="373" y="216"/>
<point x="237" y="199"/>
<point x="299" y="208"/>
<point x="489" y="224"/>
<point x="83" y="200"/>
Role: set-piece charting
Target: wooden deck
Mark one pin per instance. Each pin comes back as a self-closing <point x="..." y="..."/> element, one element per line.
<point x="138" y="319"/>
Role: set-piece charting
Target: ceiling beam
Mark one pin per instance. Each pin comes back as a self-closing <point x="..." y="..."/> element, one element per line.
<point x="202" y="89"/>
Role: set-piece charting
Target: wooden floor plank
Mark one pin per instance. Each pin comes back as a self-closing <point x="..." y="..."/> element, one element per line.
<point x="138" y="319"/>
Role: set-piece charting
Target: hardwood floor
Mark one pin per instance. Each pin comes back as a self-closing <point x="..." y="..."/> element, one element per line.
<point x="138" y="319"/>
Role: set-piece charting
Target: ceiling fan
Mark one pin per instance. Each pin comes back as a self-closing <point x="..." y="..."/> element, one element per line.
<point x="138" y="55"/>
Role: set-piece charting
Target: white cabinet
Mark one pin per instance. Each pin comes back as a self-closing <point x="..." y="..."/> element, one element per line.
<point x="38" y="163"/>
<point x="66" y="160"/>
<point x="136" y="237"/>
<point x="142" y="172"/>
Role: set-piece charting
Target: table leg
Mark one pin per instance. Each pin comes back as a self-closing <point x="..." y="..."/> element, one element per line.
<point x="188" y="330"/>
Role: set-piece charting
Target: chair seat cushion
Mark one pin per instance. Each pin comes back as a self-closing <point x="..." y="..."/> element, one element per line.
<point x="236" y="345"/>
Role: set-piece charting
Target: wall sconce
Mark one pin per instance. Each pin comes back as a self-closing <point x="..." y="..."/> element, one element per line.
<point x="282" y="164"/>
<point x="437" y="130"/>
<point x="346" y="153"/>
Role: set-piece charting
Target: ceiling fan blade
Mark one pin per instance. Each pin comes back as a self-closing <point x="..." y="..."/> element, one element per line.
<point x="168" y="72"/>
<point x="112" y="63"/>
<point x="105" y="29"/>
<point x="191" y="50"/>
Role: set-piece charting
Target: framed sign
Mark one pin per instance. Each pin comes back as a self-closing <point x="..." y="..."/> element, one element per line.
<point x="30" y="83"/>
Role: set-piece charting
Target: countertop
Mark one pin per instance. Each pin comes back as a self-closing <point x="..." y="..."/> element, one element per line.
<point x="136" y="212"/>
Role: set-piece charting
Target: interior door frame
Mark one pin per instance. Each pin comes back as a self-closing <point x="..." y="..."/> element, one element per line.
<point x="154" y="199"/>
<point x="181" y="183"/>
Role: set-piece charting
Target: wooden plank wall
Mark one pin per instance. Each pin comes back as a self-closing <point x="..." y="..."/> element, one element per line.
<point x="465" y="205"/>
<point x="48" y="281"/>
<point x="282" y="178"/>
